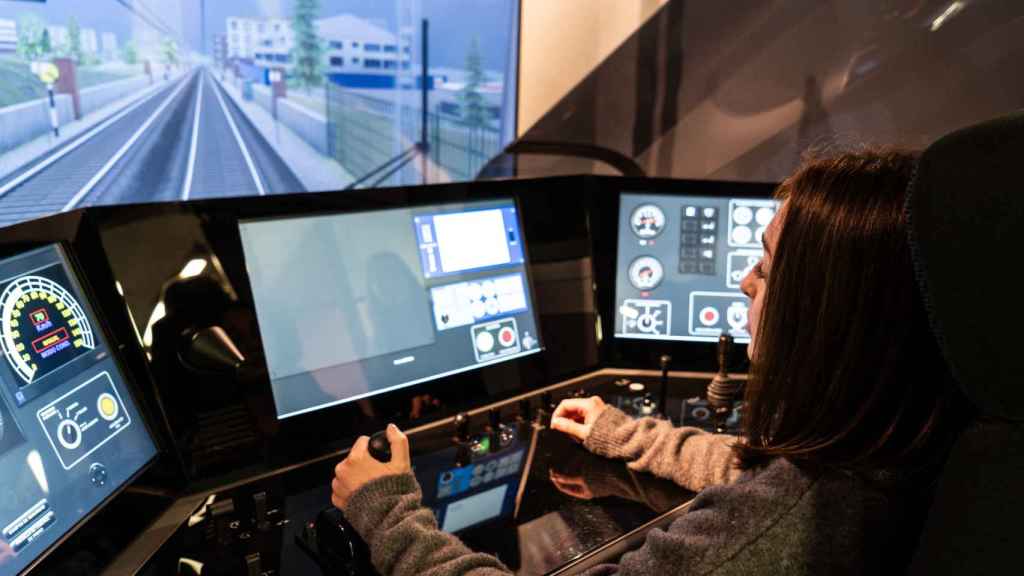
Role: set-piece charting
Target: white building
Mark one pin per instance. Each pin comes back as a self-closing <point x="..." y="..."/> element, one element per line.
<point x="58" y="37"/>
<point x="108" y="40"/>
<point x="90" y="43"/>
<point x="355" y="49"/>
<point x="8" y="35"/>
<point x="245" y="35"/>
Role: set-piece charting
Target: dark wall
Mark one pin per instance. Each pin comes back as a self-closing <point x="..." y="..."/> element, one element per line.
<point x="739" y="90"/>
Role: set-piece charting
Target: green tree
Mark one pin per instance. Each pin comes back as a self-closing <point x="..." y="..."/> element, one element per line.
<point x="473" y="111"/>
<point x="45" y="45"/>
<point x="75" y="40"/>
<point x="31" y="35"/>
<point x="307" y="52"/>
<point x="169" y="50"/>
<point x="130" y="53"/>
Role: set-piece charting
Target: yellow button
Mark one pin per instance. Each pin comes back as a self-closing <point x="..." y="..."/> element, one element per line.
<point x="107" y="406"/>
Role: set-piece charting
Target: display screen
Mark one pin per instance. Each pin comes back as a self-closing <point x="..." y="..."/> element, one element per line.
<point x="70" y="433"/>
<point x="117" y="101"/>
<point x="680" y="262"/>
<point x="352" y="305"/>
<point x="475" y="493"/>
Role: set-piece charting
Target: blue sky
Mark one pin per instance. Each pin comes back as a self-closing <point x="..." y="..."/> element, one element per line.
<point x="453" y="22"/>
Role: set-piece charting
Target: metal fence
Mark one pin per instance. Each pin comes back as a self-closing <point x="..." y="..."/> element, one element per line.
<point x="365" y="132"/>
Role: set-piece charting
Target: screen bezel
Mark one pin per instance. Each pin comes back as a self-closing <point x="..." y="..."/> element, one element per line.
<point x="80" y="281"/>
<point x="443" y="206"/>
<point x="605" y="215"/>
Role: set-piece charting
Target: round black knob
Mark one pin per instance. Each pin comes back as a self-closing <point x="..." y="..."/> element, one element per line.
<point x="380" y="447"/>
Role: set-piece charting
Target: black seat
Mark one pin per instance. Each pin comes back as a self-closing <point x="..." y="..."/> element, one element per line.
<point x="966" y="207"/>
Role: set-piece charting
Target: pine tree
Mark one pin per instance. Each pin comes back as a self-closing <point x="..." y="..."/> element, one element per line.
<point x="45" y="46"/>
<point x="307" y="53"/>
<point x="75" y="40"/>
<point x="473" y="112"/>
<point x="130" y="54"/>
<point x="170" y="52"/>
<point x="31" y="32"/>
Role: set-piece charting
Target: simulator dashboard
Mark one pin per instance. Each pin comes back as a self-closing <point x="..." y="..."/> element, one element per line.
<point x="70" y="433"/>
<point x="352" y="305"/>
<point x="257" y="338"/>
<point x="681" y="260"/>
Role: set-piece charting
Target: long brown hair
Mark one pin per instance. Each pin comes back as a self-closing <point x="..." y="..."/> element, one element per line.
<point x="847" y="372"/>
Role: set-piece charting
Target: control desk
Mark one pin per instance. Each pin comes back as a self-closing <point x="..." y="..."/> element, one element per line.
<point x="232" y="362"/>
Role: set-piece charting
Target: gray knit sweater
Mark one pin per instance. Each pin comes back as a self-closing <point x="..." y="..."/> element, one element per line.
<point x="779" y="519"/>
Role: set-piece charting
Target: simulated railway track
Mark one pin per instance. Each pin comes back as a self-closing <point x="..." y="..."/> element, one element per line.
<point x="182" y="141"/>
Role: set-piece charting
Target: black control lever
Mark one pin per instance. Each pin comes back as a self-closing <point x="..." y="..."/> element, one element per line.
<point x="380" y="447"/>
<point x="664" y="361"/>
<point x="723" y="391"/>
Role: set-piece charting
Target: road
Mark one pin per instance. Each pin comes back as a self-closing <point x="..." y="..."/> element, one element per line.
<point x="184" y="141"/>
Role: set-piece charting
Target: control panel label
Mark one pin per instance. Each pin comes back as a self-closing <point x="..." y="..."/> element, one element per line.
<point x="79" y="422"/>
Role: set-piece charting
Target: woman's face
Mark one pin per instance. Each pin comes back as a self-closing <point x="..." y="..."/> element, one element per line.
<point x="754" y="283"/>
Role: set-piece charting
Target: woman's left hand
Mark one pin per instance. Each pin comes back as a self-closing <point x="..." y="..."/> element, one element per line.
<point x="359" y="468"/>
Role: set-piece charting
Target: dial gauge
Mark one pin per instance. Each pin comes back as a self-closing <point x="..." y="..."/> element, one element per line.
<point x="647" y="221"/>
<point x="645" y="273"/>
<point x="42" y="327"/>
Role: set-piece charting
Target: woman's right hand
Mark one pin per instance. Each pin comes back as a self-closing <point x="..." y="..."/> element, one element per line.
<point x="576" y="416"/>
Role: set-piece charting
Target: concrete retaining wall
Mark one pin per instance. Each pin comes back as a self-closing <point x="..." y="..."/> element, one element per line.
<point x="308" y="125"/>
<point x="262" y="95"/>
<point x="96" y="97"/>
<point x="23" y="122"/>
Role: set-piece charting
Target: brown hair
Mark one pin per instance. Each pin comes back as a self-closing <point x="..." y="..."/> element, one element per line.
<point x="847" y="373"/>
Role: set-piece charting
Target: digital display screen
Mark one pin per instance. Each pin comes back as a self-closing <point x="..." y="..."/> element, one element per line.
<point x="680" y="261"/>
<point x="118" y="102"/>
<point x="70" y="433"/>
<point x="353" y="305"/>
<point x="478" y="492"/>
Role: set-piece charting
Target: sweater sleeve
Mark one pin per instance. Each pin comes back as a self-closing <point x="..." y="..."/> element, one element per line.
<point x="688" y="456"/>
<point x="403" y="536"/>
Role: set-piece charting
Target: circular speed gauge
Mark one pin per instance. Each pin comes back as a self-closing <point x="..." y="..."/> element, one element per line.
<point x="42" y="327"/>
<point x="647" y="221"/>
<point x="645" y="273"/>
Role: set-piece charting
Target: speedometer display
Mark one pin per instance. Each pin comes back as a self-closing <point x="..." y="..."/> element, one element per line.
<point x="42" y="326"/>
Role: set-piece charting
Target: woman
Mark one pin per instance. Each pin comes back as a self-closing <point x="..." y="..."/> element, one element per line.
<point x="849" y="413"/>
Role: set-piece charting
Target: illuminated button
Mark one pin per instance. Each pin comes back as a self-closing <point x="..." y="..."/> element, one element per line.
<point x="107" y="406"/>
<point x="506" y="336"/>
<point x="484" y="341"/>
<point x="764" y="216"/>
<point x="742" y="235"/>
<point x="742" y="215"/>
<point x="709" y="316"/>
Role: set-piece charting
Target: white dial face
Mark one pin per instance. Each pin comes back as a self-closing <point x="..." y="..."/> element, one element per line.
<point x="647" y="221"/>
<point x="645" y="273"/>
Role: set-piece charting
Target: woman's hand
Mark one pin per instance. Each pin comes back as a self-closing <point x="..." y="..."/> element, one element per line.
<point x="576" y="416"/>
<point x="359" y="468"/>
<point x="575" y="486"/>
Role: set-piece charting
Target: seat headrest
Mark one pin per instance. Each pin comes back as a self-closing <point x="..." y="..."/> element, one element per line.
<point x="965" y="207"/>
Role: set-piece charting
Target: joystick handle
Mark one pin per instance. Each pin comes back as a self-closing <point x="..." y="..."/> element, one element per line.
<point x="722" y="390"/>
<point x="663" y="362"/>
<point x="380" y="447"/>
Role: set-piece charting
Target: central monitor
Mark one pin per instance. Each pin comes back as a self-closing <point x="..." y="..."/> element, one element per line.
<point x="352" y="305"/>
<point x="680" y="261"/>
